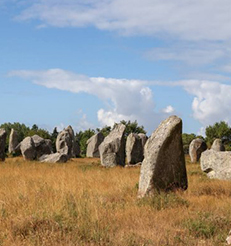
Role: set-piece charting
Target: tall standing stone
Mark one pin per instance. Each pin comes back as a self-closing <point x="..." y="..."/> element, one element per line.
<point x="217" y="145"/>
<point x="112" y="149"/>
<point x="196" y="147"/>
<point x="134" y="149"/>
<point x="64" y="143"/>
<point x="2" y="144"/>
<point x="27" y="148"/>
<point x="13" y="141"/>
<point x="75" y="149"/>
<point x="93" y="144"/>
<point x="144" y="138"/>
<point x="163" y="167"/>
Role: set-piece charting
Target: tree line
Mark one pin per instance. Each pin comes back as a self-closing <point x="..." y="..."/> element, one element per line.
<point x="219" y="130"/>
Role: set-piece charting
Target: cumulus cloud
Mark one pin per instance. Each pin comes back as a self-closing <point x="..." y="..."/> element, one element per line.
<point x="124" y="99"/>
<point x="169" y="109"/>
<point x="211" y="102"/>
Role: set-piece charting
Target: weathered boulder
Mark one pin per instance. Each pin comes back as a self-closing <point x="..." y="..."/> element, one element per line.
<point x="216" y="164"/>
<point x="217" y="145"/>
<point x="2" y="144"/>
<point x="13" y="141"/>
<point x="27" y="148"/>
<point x="112" y="149"/>
<point x="54" y="158"/>
<point x="75" y="149"/>
<point x="144" y="138"/>
<point x="163" y="167"/>
<point x="42" y="146"/>
<point x="196" y="147"/>
<point x="64" y="143"/>
<point x="93" y="144"/>
<point x="134" y="149"/>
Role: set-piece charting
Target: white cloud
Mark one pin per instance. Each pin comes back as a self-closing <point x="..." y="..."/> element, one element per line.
<point x="189" y="20"/>
<point x="211" y="102"/>
<point x="169" y="109"/>
<point x="124" y="99"/>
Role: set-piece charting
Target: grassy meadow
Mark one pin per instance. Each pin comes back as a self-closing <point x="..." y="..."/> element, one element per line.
<point x="82" y="203"/>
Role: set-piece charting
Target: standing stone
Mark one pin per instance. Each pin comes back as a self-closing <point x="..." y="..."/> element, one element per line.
<point x="27" y="148"/>
<point x="196" y="147"/>
<point x="93" y="144"/>
<point x="13" y="141"/>
<point x="217" y="145"/>
<point x="64" y="143"/>
<point x="144" y="138"/>
<point x="163" y="167"/>
<point x="75" y="149"/>
<point x="2" y="144"/>
<point x="134" y="149"/>
<point x="112" y="149"/>
<point x="42" y="146"/>
<point x="216" y="164"/>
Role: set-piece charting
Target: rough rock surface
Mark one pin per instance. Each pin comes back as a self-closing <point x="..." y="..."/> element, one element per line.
<point x="54" y="158"/>
<point x="217" y="145"/>
<point x="75" y="149"/>
<point x="217" y="164"/>
<point x="64" y="143"/>
<point x="134" y="149"/>
<point x="163" y="167"/>
<point x="93" y="144"/>
<point x="28" y="150"/>
<point x="144" y="138"/>
<point x="2" y="144"/>
<point x="196" y="147"/>
<point x="42" y="146"/>
<point x="13" y="141"/>
<point x="112" y="149"/>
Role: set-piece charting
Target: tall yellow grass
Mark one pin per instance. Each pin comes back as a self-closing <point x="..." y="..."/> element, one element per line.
<point x="81" y="203"/>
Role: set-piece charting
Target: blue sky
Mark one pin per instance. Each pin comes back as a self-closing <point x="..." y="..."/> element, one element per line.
<point x="91" y="63"/>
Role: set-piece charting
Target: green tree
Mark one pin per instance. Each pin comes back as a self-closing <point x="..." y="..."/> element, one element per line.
<point x="105" y="130"/>
<point x="218" y="130"/>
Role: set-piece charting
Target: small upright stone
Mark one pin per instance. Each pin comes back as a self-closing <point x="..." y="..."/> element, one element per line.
<point x="217" y="145"/>
<point x="134" y="149"/>
<point x="13" y="141"/>
<point x="93" y="144"/>
<point x="196" y="147"/>
<point x="28" y="150"/>
<point x="112" y="149"/>
<point x="75" y="149"/>
<point x="163" y="167"/>
<point x="144" y="138"/>
<point x="2" y="144"/>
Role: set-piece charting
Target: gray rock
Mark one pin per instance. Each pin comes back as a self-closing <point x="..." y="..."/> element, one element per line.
<point x="217" y="145"/>
<point x="75" y="149"/>
<point x="64" y="143"/>
<point x="54" y="158"/>
<point x="112" y="149"/>
<point x="196" y="147"/>
<point x="216" y="164"/>
<point x="134" y="149"/>
<point x="27" y="148"/>
<point x="144" y="138"/>
<point x="13" y="142"/>
<point x="42" y="146"/>
<point x="163" y="167"/>
<point x="93" y="144"/>
<point x="2" y="144"/>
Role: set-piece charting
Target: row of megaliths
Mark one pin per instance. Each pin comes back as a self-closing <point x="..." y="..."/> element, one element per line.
<point x="37" y="148"/>
<point x="163" y="166"/>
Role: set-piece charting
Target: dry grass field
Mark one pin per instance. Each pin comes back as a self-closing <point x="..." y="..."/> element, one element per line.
<point x="81" y="203"/>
